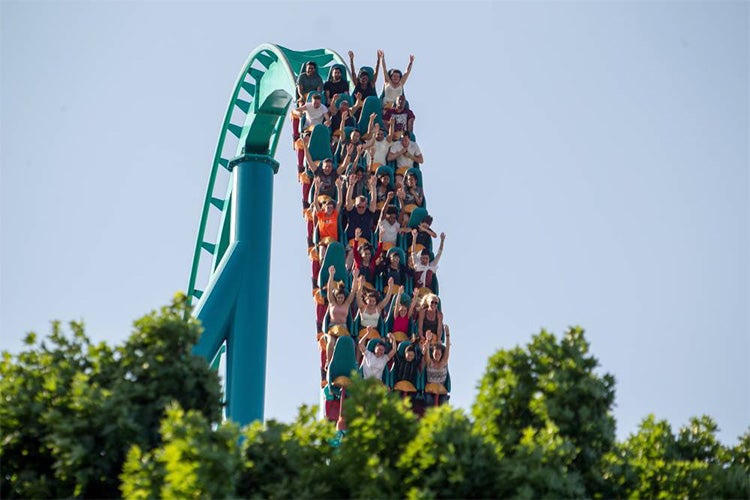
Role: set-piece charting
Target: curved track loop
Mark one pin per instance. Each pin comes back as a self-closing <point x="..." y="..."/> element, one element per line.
<point x="269" y="68"/>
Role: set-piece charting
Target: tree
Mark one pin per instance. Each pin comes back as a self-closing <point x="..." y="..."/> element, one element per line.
<point x="546" y="407"/>
<point x="72" y="409"/>
<point x="654" y="463"/>
<point x="192" y="461"/>
<point x="448" y="459"/>
<point x="142" y="420"/>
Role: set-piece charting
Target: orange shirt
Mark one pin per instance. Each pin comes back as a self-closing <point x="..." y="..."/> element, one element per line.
<point x="328" y="225"/>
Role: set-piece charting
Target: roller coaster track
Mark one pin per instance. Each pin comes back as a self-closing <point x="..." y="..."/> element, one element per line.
<point x="229" y="279"/>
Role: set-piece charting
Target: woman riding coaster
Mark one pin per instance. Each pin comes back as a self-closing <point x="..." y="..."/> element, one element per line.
<point x="338" y="310"/>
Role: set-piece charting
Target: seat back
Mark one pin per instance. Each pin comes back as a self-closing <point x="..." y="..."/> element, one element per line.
<point x="343" y="364"/>
<point x="320" y="143"/>
<point x="417" y="216"/>
<point x="335" y="255"/>
<point x="371" y="105"/>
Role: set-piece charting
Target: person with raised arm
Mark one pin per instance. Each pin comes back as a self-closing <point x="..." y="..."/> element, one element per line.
<point x="338" y="310"/>
<point x="424" y="268"/>
<point x="364" y="260"/>
<point x="322" y="170"/>
<point x="394" y="81"/>
<point x="341" y="116"/>
<point x="388" y="225"/>
<point x="370" y="311"/>
<point x="378" y="146"/>
<point x="399" y="315"/>
<point x="436" y="360"/>
<point x="364" y="85"/>
<point x="374" y="362"/>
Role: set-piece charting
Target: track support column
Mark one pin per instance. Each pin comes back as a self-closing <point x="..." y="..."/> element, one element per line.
<point x="248" y="336"/>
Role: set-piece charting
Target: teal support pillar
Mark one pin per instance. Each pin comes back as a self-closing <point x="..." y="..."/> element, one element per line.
<point x="247" y="338"/>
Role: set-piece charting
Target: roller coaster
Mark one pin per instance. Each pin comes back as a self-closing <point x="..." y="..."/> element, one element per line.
<point x="375" y="290"/>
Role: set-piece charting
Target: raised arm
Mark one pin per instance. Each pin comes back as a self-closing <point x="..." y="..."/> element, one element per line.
<point x="371" y="124"/>
<point x="377" y="68"/>
<point x="351" y="65"/>
<point x="439" y="325"/>
<point x="414" y="300"/>
<point x="420" y="324"/>
<point x="388" y="199"/>
<point x="350" y="192"/>
<point x="388" y="295"/>
<point x="360" y="301"/>
<point x="360" y="150"/>
<point x="406" y="74"/>
<point x="358" y="103"/>
<point x="377" y="256"/>
<point x="446" y="355"/>
<point x="332" y="105"/>
<point x="363" y="342"/>
<point x="394" y="347"/>
<point x="355" y="288"/>
<point x="395" y="303"/>
<point x="339" y="183"/>
<point x="355" y="248"/>
<point x="385" y="68"/>
<point x="372" y="183"/>
<point x="440" y="250"/>
<point x="308" y="157"/>
<point x="370" y="142"/>
<point x="342" y="125"/>
<point x="344" y="167"/>
<point x="329" y="285"/>
<point x="413" y="257"/>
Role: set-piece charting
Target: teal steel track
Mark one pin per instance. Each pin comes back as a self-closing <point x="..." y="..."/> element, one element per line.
<point x="232" y="268"/>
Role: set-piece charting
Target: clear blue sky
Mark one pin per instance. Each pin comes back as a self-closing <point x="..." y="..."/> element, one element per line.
<point x="588" y="162"/>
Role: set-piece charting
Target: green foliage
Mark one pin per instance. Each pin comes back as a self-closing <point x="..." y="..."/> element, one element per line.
<point x="78" y="418"/>
<point x="448" y="459"/>
<point x="548" y="401"/>
<point x="380" y="428"/>
<point x="192" y="461"/>
<point x="73" y="409"/>
<point x="692" y="465"/>
<point x="288" y="460"/>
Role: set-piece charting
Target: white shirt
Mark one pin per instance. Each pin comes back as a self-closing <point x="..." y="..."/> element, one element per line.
<point x="421" y="268"/>
<point x="314" y="115"/>
<point x="388" y="232"/>
<point x="403" y="160"/>
<point x="372" y="367"/>
<point x="392" y="93"/>
<point x="379" y="152"/>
